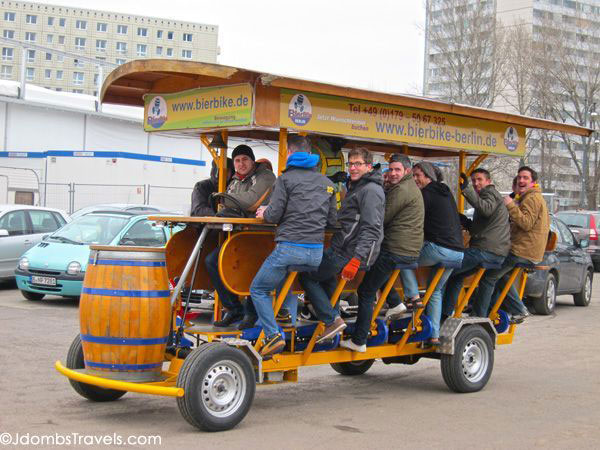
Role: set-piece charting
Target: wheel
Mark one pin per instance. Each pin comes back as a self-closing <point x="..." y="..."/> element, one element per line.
<point x="546" y="303"/>
<point x="353" y="367"/>
<point x="470" y="368"/>
<point x="34" y="296"/>
<point x="91" y="392"/>
<point x="219" y="386"/>
<point x="584" y="297"/>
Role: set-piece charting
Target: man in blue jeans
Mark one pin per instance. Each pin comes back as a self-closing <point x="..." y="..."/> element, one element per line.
<point x="489" y="230"/>
<point x="302" y="205"/>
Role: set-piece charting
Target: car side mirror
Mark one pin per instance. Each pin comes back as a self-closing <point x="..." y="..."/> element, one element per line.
<point x="584" y="243"/>
<point x="4" y="233"/>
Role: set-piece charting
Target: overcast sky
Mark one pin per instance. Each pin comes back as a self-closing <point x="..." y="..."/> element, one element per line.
<point x="375" y="44"/>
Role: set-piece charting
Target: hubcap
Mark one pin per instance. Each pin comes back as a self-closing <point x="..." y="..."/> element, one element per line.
<point x="223" y="388"/>
<point x="550" y="295"/>
<point x="475" y="360"/>
<point x="588" y="288"/>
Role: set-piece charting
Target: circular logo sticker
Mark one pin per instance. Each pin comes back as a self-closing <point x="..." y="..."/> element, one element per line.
<point x="511" y="139"/>
<point x="157" y="112"/>
<point x="300" y="109"/>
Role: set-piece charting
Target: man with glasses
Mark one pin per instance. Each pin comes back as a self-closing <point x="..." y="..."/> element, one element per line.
<point x="355" y="245"/>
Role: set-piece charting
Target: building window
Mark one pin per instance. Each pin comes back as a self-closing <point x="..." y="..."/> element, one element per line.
<point x="49" y="38"/>
<point x="77" y="91"/>
<point x="79" y="43"/>
<point x="9" y="34"/>
<point x="101" y="45"/>
<point x="169" y="52"/>
<point x="141" y="49"/>
<point x="48" y="56"/>
<point x="120" y="61"/>
<point x="31" y="19"/>
<point x="9" y="16"/>
<point x="96" y="76"/>
<point x="187" y="37"/>
<point x="159" y="34"/>
<point x="121" y="29"/>
<point x="59" y="57"/>
<point x="81" y="24"/>
<point x="122" y="47"/>
<point x="47" y="74"/>
<point x="169" y="35"/>
<point x="78" y="63"/>
<point x="61" y="40"/>
<point x="30" y="55"/>
<point x="142" y="32"/>
<point x="186" y="54"/>
<point x="59" y="74"/>
<point x="29" y="73"/>
<point x="50" y="21"/>
<point x="62" y="22"/>
<point x="6" y="72"/>
<point x="7" y="54"/>
<point x="159" y="51"/>
<point x="78" y="78"/>
<point x="29" y="36"/>
<point x="102" y="27"/>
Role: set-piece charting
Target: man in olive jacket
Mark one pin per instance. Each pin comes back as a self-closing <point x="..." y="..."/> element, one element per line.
<point x="402" y="242"/>
<point x="489" y="230"/>
<point x="530" y="224"/>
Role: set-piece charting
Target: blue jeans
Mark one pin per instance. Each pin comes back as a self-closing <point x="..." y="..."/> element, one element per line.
<point x="227" y="298"/>
<point x="431" y="255"/>
<point x="319" y="285"/>
<point x="375" y="279"/>
<point x="512" y="302"/>
<point x="272" y="275"/>
<point x="473" y="258"/>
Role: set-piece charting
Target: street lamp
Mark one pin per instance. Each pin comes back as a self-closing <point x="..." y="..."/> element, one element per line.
<point x="593" y="114"/>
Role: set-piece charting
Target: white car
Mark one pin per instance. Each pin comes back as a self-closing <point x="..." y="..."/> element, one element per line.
<point x="22" y="227"/>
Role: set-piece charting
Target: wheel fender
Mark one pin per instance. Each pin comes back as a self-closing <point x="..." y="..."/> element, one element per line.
<point x="452" y="327"/>
<point x="247" y="347"/>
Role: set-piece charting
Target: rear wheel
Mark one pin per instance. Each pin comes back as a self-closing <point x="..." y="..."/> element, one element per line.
<point x="471" y="365"/>
<point x="353" y="367"/>
<point x="94" y="393"/>
<point x="34" y="296"/>
<point x="584" y="297"/>
<point x="546" y="303"/>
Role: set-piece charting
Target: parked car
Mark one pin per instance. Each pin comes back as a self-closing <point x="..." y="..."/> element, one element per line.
<point x="132" y="208"/>
<point x="570" y="271"/>
<point x="22" y="227"/>
<point x="584" y="224"/>
<point x="57" y="265"/>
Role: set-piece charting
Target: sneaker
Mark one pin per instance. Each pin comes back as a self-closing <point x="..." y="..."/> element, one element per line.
<point x="284" y="318"/>
<point x="273" y="345"/>
<point x="228" y="319"/>
<point x="519" y="318"/>
<point x="396" y="311"/>
<point x="331" y="330"/>
<point x="347" y="343"/>
<point x="247" y="322"/>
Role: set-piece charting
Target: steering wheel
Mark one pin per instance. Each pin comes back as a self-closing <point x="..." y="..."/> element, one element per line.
<point x="238" y="209"/>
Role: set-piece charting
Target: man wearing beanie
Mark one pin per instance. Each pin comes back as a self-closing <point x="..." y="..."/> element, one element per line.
<point x="250" y="185"/>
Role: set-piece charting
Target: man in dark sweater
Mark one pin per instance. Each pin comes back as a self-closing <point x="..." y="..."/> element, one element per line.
<point x="489" y="230"/>
<point x="201" y="205"/>
<point x="302" y="204"/>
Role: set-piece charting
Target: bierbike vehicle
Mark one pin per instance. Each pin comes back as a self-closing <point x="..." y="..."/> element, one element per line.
<point x="135" y="332"/>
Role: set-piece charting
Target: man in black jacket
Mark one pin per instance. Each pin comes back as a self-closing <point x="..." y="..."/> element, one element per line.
<point x="355" y="245"/>
<point x="302" y="203"/>
<point x="201" y="205"/>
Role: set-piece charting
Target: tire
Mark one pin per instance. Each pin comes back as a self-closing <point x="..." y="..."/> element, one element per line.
<point x="353" y="367"/>
<point x="545" y="304"/>
<point x="219" y="385"/>
<point x="91" y="392"/>
<point x="470" y="368"/>
<point x="584" y="297"/>
<point x="33" y="296"/>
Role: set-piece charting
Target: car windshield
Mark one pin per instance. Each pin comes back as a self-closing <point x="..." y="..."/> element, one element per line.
<point x="574" y="220"/>
<point x="91" y="229"/>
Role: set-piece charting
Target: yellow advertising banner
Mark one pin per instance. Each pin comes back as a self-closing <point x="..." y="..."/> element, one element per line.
<point x="219" y="106"/>
<point x="307" y="111"/>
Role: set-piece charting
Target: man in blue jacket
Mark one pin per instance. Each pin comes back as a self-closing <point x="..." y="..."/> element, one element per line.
<point x="302" y="205"/>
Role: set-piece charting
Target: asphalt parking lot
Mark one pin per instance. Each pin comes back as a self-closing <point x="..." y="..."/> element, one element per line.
<point x="544" y="393"/>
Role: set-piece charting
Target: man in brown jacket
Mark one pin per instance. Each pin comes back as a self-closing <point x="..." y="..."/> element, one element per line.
<point x="529" y="229"/>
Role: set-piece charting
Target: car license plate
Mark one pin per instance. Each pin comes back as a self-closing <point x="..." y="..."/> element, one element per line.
<point x="47" y="281"/>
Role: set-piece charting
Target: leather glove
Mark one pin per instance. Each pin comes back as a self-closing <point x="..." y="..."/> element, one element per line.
<point x="338" y="177"/>
<point x="350" y="269"/>
<point x="464" y="181"/>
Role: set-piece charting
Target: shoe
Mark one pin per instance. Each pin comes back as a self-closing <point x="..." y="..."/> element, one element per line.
<point x="247" y="322"/>
<point x="284" y="318"/>
<point x="273" y="345"/>
<point x="396" y="311"/>
<point x="228" y="319"/>
<point x="331" y="330"/>
<point x="520" y="318"/>
<point x="347" y="343"/>
<point x="414" y="303"/>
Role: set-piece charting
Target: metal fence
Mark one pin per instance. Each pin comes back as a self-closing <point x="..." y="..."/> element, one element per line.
<point x="176" y="199"/>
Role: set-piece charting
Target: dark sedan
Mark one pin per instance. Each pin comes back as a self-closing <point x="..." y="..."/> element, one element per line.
<point x="570" y="271"/>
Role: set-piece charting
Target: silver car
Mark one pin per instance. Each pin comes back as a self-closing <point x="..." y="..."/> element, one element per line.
<point x="22" y="227"/>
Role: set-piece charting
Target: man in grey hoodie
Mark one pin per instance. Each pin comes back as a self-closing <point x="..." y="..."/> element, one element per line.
<point x="356" y="245"/>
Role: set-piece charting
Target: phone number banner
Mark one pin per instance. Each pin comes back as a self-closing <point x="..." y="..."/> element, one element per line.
<point x="213" y="107"/>
<point x="307" y="111"/>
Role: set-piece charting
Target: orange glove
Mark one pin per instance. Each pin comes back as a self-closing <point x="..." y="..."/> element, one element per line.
<point x="349" y="271"/>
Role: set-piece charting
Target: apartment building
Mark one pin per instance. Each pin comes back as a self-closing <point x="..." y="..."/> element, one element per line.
<point x="100" y="38"/>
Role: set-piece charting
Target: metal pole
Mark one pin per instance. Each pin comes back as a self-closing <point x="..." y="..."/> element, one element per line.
<point x="188" y="265"/>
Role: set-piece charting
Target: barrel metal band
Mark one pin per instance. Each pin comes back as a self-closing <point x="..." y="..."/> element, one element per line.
<point x="119" y="262"/>
<point x="125" y="293"/>
<point x="123" y="341"/>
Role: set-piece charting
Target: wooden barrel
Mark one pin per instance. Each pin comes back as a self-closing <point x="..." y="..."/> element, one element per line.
<point x="125" y="313"/>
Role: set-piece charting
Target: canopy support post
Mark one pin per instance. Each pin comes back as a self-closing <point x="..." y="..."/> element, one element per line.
<point x="282" y="160"/>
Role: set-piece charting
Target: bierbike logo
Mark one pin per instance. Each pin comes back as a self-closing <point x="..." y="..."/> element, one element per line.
<point x="511" y="139"/>
<point x="157" y="112"/>
<point x="300" y="109"/>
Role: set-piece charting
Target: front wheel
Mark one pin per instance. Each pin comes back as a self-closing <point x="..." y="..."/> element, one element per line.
<point x="353" y="367"/>
<point x="546" y="303"/>
<point x="219" y="385"/>
<point x="33" y="296"/>
<point x="471" y="365"/>
<point x="584" y="297"/>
